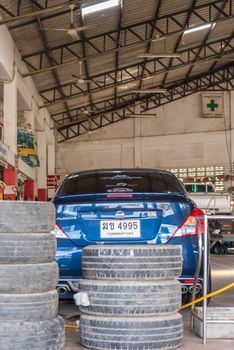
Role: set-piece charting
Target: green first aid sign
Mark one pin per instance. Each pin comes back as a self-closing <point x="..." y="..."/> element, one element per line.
<point x="212" y="105"/>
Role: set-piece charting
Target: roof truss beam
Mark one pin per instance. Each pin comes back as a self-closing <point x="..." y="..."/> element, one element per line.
<point x="220" y="80"/>
<point x="210" y="51"/>
<point x="50" y="59"/>
<point x="18" y="15"/>
<point x="220" y="12"/>
<point x="156" y="15"/>
<point x="130" y="33"/>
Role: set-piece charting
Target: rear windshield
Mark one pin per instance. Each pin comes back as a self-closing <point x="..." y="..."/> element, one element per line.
<point x="119" y="183"/>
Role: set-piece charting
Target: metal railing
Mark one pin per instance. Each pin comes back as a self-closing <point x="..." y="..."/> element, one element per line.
<point x="204" y="252"/>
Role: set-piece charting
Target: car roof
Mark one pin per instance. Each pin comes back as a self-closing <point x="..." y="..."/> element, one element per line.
<point x="119" y="170"/>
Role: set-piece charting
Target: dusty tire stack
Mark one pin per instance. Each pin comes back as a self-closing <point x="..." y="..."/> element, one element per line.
<point x="134" y="297"/>
<point x="28" y="278"/>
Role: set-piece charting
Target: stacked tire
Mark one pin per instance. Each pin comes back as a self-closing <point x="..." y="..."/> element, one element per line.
<point x="28" y="278"/>
<point x="134" y="297"/>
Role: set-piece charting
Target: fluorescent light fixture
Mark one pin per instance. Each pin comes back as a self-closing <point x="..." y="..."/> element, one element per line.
<point x="201" y="27"/>
<point x="104" y="5"/>
<point x="159" y="55"/>
<point x="149" y="91"/>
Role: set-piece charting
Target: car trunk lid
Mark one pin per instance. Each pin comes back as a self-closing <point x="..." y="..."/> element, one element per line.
<point x="140" y="218"/>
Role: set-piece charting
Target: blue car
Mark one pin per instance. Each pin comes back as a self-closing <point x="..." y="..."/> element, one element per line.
<point x="124" y="206"/>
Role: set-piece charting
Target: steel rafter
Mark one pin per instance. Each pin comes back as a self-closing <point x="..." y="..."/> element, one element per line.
<point x="211" y="50"/>
<point x="43" y="7"/>
<point x="4" y="9"/>
<point x="223" y="47"/>
<point x="83" y="45"/>
<point x="118" y="45"/>
<point x="156" y="16"/>
<point x="50" y="59"/>
<point x="186" y="24"/>
<point x="219" y="12"/>
<point x="136" y="33"/>
<point x="221" y="79"/>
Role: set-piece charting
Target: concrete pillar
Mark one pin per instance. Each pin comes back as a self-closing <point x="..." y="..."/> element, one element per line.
<point x="29" y="190"/>
<point x="51" y="159"/>
<point x="137" y="140"/>
<point x="29" y="118"/>
<point x="42" y="195"/>
<point x="10" y="177"/>
<point x="6" y="54"/>
<point x="10" y="115"/>
<point x="232" y="133"/>
<point x="51" y="167"/>
<point x="232" y="124"/>
<point x="42" y="154"/>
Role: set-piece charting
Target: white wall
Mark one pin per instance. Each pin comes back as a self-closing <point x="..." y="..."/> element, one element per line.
<point x="177" y="137"/>
<point x="7" y="54"/>
<point x="21" y="95"/>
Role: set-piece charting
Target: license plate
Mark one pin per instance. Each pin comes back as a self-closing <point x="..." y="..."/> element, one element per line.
<point x="120" y="228"/>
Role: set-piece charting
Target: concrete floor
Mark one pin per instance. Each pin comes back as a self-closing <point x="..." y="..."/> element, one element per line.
<point x="222" y="274"/>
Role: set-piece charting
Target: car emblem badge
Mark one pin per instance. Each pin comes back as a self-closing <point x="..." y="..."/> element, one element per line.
<point x="120" y="214"/>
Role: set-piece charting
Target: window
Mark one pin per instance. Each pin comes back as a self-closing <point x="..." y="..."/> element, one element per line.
<point x="120" y="182"/>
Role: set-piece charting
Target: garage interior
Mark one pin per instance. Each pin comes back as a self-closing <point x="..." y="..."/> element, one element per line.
<point x="89" y="84"/>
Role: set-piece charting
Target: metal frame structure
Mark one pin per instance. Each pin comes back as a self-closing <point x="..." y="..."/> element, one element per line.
<point x="219" y="80"/>
<point x="136" y="33"/>
<point x="47" y="7"/>
<point x="205" y="250"/>
<point x="63" y="98"/>
<point x="155" y="66"/>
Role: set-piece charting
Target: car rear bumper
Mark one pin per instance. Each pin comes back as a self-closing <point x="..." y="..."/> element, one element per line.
<point x="69" y="261"/>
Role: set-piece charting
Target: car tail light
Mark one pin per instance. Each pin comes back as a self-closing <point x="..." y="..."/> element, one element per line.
<point x="232" y="203"/>
<point x="119" y="195"/>
<point x="189" y="281"/>
<point x="190" y="227"/>
<point x="59" y="233"/>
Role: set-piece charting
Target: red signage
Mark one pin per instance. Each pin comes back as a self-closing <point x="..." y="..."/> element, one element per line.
<point x="53" y="181"/>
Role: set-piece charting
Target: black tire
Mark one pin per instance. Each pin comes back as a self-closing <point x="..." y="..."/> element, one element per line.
<point x="131" y="333"/>
<point x="217" y="248"/>
<point x="224" y="249"/>
<point x="28" y="278"/>
<point x="131" y="262"/>
<point x="41" y="335"/>
<point x="131" y="297"/>
<point x="29" y="307"/>
<point x="27" y="247"/>
<point x="23" y="217"/>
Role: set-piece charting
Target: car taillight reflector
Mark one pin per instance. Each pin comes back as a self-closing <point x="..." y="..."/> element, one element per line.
<point x="190" y="227"/>
<point x="59" y="233"/>
<point x="119" y="195"/>
<point x="232" y="203"/>
<point x="189" y="281"/>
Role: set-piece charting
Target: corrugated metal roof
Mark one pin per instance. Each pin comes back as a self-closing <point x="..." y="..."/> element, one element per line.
<point x="113" y="40"/>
